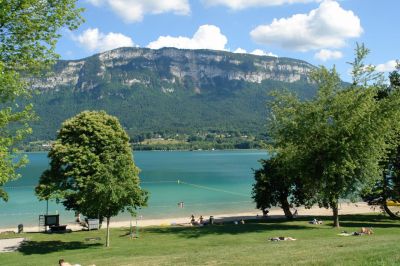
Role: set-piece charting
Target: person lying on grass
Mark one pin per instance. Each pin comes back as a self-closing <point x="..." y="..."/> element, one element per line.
<point x="282" y="238"/>
<point x="363" y="231"/>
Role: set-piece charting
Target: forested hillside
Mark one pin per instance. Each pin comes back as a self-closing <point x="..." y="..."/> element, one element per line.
<point x="168" y="92"/>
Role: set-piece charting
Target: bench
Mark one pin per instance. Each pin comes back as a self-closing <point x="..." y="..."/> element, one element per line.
<point x="58" y="228"/>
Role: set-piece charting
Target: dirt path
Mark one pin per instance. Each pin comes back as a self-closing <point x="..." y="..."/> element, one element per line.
<point x="11" y="244"/>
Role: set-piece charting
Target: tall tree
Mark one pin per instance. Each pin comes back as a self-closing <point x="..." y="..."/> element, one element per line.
<point x="388" y="187"/>
<point x="28" y="36"/>
<point x="339" y="137"/>
<point x="92" y="169"/>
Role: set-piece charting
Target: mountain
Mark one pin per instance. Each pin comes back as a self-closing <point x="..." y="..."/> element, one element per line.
<point x="167" y="91"/>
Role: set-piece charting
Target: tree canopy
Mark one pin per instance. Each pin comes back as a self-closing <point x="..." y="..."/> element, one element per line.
<point x="92" y="169"/>
<point x="277" y="185"/>
<point x="337" y="139"/>
<point x="29" y="30"/>
<point x="387" y="188"/>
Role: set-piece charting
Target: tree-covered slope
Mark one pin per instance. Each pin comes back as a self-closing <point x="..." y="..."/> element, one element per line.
<point x="167" y="90"/>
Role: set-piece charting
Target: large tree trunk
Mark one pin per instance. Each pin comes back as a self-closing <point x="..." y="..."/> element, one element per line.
<point x="286" y="208"/>
<point x="389" y="212"/>
<point x="335" y="210"/>
<point x="385" y="196"/>
<point x="108" y="233"/>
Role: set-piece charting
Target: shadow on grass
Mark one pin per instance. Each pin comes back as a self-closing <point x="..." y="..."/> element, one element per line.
<point x="45" y="247"/>
<point x="351" y="220"/>
<point x="276" y="224"/>
<point x="361" y="220"/>
<point x="221" y="229"/>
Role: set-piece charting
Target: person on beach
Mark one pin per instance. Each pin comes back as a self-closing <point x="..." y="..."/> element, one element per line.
<point x="192" y="220"/>
<point x="77" y="217"/>
<point x="201" y="219"/>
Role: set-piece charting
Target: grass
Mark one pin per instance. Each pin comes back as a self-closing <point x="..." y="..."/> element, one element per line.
<point x="226" y="244"/>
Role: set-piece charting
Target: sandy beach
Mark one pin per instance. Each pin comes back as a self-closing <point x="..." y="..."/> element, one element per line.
<point x="344" y="208"/>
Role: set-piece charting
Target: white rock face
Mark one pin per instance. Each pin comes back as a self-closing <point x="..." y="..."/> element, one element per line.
<point x="130" y="66"/>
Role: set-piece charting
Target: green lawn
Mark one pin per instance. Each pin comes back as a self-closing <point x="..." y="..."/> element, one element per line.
<point x="226" y="244"/>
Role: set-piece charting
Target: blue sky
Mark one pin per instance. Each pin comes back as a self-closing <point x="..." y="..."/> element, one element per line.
<point x="322" y="32"/>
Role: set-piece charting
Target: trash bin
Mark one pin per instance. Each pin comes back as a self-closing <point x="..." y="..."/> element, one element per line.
<point x="211" y="219"/>
<point x="20" y="228"/>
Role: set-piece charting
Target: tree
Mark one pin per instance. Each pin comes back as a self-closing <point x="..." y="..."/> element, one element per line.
<point x="388" y="187"/>
<point x="338" y="138"/>
<point x="92" y="169"/>
<point x="28" y="35"/>
<point x="276" y="186"/>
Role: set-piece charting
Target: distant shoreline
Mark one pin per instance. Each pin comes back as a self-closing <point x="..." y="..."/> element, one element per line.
<point x="201" y="150"/>
<point x="167" y="145"/>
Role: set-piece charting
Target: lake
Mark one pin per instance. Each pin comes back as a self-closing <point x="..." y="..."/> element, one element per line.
<point x="211" y="182"/>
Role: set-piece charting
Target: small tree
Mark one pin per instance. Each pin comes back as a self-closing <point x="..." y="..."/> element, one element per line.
<point x="92" y="169"/>
<point x="276" y="186"/>
<point x="271" y="187"/>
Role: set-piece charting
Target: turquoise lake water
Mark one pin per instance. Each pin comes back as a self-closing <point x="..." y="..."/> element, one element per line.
<point x="213" y="182"/>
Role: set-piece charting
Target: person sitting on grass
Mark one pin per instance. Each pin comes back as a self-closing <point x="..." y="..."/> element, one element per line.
<point x="315" y="221"/>
<point x="62" y="262"/>
<point x="366" y="231"/>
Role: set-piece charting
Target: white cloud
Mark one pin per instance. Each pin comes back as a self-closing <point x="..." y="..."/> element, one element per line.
<point x="96" y="41"/>
<point x="261" y="52"/>
<point x="325" y="54"/>
<point x="242" y="4"/>
<point x="134" y="10"/>
<point x="240" y="51"/>
<point x="206" y="37"/>
<point x="328" y="26"/>
<point x="254" y="52"/>
<point x="387" y="67"/>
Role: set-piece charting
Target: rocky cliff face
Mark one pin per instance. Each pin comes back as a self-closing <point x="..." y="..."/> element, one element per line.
<point x="193" y="69"/>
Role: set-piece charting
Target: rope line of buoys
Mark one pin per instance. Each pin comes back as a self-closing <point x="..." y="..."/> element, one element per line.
<point x="157" y="182"/>
<point x="202" y="204"/>
<point x="213" y="189"/>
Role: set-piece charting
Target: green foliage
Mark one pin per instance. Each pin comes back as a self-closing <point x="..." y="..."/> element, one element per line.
<point x="141" y="110"/>
<point x="29" y="31"/>
<point x="92" y="169"/>
<point x="28" y="35"/>
<point x="337" y="139"/>
<point x="274" y="186"/>
<point x="388" y="187"/>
